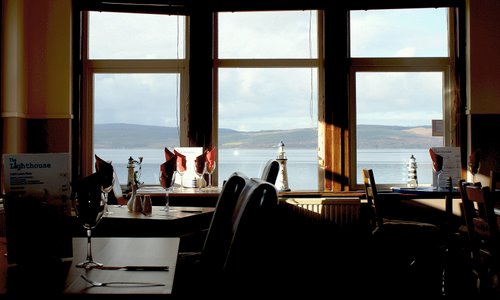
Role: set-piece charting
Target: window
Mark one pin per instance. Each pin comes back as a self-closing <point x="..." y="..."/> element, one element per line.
<point x="268" y="93"/>
<point x="270" y="85"/>
<point x="400" y="78"/>
<point x="135" y="83"/>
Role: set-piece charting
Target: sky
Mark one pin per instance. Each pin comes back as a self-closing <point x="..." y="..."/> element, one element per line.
<point x="263" y="99"/>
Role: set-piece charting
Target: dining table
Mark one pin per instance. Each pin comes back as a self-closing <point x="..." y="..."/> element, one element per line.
<point x="128" y="260"/>
<point x="118" y="221"/>
<point x="430" y="192"/>
<point x="434" y="197"/>
<point x="182" y="196"/>
<point x="117" y="253"/>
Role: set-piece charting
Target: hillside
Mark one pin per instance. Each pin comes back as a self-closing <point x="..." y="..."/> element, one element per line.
<point x="373" y="136"/>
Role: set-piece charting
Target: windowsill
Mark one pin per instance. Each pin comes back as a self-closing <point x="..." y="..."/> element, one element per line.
<point x="315" y="194"/>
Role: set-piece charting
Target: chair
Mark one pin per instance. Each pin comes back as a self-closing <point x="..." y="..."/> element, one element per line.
<point x="406" y="253"/>
<point x="271" y="170"/>
<point x="484" y="236"/>
<point x="193" y="267"/>
<point x="494" y="185"/>
<point x="251" y="262"/>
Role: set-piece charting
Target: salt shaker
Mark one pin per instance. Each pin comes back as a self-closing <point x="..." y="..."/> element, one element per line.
<point x="147" y="207"/>
<point x="137" y="206"/>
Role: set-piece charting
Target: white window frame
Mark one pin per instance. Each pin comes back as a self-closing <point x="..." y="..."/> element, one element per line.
<point x="412" y="64"/>
<point x="124" y="66"/>
<point x="285" y="63"/>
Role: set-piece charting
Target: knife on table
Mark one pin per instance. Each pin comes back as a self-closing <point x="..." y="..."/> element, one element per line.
<point x="134" y="268"/>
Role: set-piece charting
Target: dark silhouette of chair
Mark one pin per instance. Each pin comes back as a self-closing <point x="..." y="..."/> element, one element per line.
<point x="217" y="241"/>
<point x="495" y="182"/>
<point x="484" y="236"/>
<point x="270" y="172"/>
<point x="253" y="242"/>
<point x="237" y="244"/>
<point x="192" y="267"/>
<point x="406" y="253"/>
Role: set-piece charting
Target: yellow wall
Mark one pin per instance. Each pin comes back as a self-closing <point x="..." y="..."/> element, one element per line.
<point x="36" y="72"/>
<point x="483" y="63"/>
<point x="48" y="54"/>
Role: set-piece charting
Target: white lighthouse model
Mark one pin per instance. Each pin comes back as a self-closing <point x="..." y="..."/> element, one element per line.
<point x="282" y="181"/>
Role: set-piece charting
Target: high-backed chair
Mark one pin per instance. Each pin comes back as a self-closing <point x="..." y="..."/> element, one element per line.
<point x="237" y="243"/>
<point x="252" y="242"/>
<point x="406" y="253"/>
<point x="271" y="170"/>
<point x="495" y="183"/>
<point x="484" y="236"/>
<point x="192" y="267"/>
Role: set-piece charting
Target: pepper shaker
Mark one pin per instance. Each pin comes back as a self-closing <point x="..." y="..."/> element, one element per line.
<point x="147" y="207"/>
<point x="137" y="207"/>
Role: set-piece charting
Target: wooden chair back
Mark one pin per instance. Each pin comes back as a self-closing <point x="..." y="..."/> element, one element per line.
<point x="483" y="231"/>
<point x="480" y="218"/>
<point x="494" y="181"/>
<point x="372" y="197"/>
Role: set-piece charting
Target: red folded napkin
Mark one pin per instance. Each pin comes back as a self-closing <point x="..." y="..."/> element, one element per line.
<point x="167" y="171"/>
<point x="437" y="160"/>
<point x="199" y="163"/>
<point x="180" y="161"/>
<point x="168" y="154"/>
<point x="475" y="161"/>
<point x="105" y="171"/>
<point x="210" y="158"/>
<point x="104" y="167"/>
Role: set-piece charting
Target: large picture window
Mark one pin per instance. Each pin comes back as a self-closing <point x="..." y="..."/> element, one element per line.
<point x="400" y="83"/>
<point x="135" y="83"/>
<point x="278" y="76"/>
<point x="268" y="93"/>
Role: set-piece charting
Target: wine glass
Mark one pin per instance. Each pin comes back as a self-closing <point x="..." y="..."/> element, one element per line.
<point x="474" y="168"/>
<point x="89" y="207"/>
<point x="104" y="193"/>
<point x="168" y="185"/>
<point x="200" y="171"/>
<point x="210" y="167"/>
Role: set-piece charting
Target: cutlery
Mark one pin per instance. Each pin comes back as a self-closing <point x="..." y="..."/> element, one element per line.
<point x="134" y="268"/>
<point x="120" y="283"/>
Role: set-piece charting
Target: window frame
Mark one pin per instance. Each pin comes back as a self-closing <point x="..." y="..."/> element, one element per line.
<point x="125" y="66"/>
<point x="263" y="63"/>
<point x="439" y="65"/>
<point x="406" y="64"/>
<point x="334" y="124"/>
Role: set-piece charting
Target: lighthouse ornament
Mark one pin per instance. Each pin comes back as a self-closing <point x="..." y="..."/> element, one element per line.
<point x="282" y="181"/>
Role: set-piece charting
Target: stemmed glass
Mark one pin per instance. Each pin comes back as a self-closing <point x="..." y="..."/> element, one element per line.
<point x="104" y="192"/>
<point x="89" y="206"/>
<point x="474" y="169"/>
<point x="168" y="185"/>
<point x="200" y="171"/>
<point x="210" y="167"/>
<point x="180" y="167"/>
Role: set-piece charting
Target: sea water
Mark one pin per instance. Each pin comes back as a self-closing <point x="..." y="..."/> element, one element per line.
<point x="389" y="165"/>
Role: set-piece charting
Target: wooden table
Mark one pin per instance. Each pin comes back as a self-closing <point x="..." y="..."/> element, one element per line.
<point x="179" y="221"/>
<point x="429" y="192"/>
<point x="121" y="252"/>
<point x="182" y="196"/>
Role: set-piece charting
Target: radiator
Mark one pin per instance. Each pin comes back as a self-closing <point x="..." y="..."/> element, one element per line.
<point x="342" y="211"/>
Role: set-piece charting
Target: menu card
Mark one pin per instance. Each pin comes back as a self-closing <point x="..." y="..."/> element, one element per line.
<point x="45" y="175"/>
<point x="451" y="166"/>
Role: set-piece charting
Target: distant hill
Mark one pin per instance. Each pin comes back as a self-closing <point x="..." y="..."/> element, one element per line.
<point x="116" y="136"/>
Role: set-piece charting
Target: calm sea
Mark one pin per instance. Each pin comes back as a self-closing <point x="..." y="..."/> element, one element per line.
<point x="389" y="165"/>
